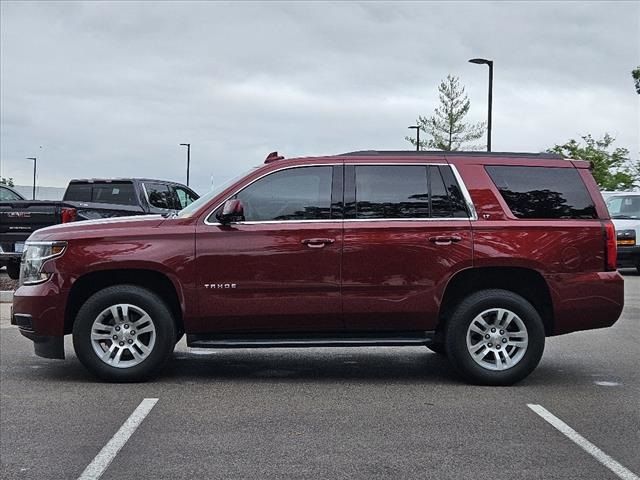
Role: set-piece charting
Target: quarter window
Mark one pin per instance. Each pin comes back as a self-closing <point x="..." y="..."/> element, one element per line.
<point x="294" y="194"/>
<point x="543" y="192"/>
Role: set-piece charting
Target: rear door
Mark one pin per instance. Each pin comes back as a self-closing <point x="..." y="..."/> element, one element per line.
<point x="407" y="230"/>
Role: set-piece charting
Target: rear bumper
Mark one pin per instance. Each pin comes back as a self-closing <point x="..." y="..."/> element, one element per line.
<point x="628" y="257"/>
<point x="585" y="301"/>
<point x="38" y="311"/>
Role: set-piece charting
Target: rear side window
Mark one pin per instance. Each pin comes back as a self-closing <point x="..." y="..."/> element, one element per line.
<point x="116" y="193"/>
<point x="407" y="191"/>
<point x="543" y="192"/>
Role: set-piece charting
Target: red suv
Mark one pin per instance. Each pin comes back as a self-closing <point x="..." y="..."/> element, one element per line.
<point x="477" y="256"/>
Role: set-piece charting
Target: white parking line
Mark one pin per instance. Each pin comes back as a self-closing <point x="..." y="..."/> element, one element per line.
<point x="583" y="443"/>
<point x="100" y="463"/>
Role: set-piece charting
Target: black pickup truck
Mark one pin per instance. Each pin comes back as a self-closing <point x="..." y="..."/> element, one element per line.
<point x="85" y="200"/>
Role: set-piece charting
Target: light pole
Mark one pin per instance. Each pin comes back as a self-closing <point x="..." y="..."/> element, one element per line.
<point x="481" y="61"/>
<point x="34" y="175"/>
<point x="417" y="129"/>
<point x="188" y="145"/>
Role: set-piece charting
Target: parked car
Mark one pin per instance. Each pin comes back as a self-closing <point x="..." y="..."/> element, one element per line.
<point x="478" y="256"/>
<point x="624" y="208"/>
<point x="83" y="200"/>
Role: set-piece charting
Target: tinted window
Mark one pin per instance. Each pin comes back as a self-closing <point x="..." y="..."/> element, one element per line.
<point x="185" y="197"/>
<point x="440" y="205"/>
<point x="160" y="196"/>
<point x="388" y="191"/>
<point x="8" y="195"/>
<point x="294" y="194"/>
<point x="77" y="192"/>
<point x="457" y="203"/>
<point x="116" y="193"/>
<point x="543" y="192"/>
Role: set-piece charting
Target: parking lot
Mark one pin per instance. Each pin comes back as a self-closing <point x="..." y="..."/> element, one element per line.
<point x="327" y="413"/>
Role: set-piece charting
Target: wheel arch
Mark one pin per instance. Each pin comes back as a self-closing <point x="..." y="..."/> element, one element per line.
<point x="525" y="282"/>
<point x="92" y="282"/>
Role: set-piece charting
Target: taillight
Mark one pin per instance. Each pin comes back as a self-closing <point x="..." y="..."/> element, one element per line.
<point x="611" y="246"/>
<point x="68" y="215"/>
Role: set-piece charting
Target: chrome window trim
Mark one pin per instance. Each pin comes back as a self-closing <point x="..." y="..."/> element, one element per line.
<point x="456" y="174"/>
<point x="465" y="193"/>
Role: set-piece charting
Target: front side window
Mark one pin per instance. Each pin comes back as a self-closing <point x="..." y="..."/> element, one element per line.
<point x="294" y="194"/>
<point x="543" y="192"/>
<point x="160" y="196"/>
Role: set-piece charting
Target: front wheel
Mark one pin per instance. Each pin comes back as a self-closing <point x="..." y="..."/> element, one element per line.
<point x="124" y="333"/>
<point x="495" y="337"/>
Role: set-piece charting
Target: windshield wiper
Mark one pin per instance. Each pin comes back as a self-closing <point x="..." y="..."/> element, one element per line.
<point x="621" y="216"/>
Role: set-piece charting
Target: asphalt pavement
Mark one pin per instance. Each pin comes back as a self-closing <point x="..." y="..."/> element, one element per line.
<point x="326" y="413"/>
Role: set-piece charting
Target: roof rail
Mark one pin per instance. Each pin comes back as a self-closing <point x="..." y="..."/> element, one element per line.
<point x="410" y="153"/>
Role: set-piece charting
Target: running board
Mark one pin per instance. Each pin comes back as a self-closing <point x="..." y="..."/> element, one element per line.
<point x="379" y="339"/>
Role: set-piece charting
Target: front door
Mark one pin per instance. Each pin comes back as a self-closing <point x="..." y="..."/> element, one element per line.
<point x="279" y="268"/>
<point x="406" y="232"/>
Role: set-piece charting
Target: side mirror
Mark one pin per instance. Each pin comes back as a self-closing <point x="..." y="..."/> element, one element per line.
<point x="232" y="211"/>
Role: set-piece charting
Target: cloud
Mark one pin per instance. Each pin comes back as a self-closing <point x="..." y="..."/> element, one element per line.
<point x="112" y="88"/>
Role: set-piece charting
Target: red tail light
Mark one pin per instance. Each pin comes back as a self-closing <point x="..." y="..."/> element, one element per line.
<point x="611" y="246"/>
<point x="69" y="215"/>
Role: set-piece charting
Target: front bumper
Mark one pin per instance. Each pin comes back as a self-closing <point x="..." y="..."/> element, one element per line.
<point x="38" y="312"/>
<point x="628" y="257"/>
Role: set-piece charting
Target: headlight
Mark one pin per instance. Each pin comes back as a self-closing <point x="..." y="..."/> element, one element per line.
<point x="34" y="256"/>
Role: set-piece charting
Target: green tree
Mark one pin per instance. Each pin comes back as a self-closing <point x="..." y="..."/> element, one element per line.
<point x="635" y="73"/>
<point x="446" y="127"/>
<point x="611" y="167"/>
<point x="6" y="181"/>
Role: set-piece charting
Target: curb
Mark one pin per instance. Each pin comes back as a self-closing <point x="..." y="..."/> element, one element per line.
<point x="6" y="296"/>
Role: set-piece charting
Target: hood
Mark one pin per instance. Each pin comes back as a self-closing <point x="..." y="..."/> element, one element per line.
<point x="101" y="227"/>
<point x="627" y="224"/>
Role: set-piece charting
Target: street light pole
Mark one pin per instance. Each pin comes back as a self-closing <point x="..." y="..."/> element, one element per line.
<point x="489" y="63"/>
<point x="417" y="129"/>
<point x="34" y="175"/>
<point x="188" y="145"/>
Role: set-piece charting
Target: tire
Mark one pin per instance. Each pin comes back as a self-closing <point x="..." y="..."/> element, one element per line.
<point x="515" y="349"/>
<point x="13" y="270"/>
<point x="118" y="310"/>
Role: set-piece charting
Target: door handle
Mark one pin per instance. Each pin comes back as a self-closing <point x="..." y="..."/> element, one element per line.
<point x="445" y="239"/>
<point x="317" y="242"/>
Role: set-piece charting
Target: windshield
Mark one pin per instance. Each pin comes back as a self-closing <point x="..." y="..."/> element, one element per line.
<point x="624" y="206"/>
<point x="206" y="198"/>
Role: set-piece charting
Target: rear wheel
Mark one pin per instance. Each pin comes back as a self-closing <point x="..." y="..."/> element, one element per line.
<point x="124" y="333"/>
<point x="495" y="337"/>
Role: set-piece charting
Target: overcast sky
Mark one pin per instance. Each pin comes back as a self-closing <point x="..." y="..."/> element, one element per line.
<point x="111" y="88"/>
